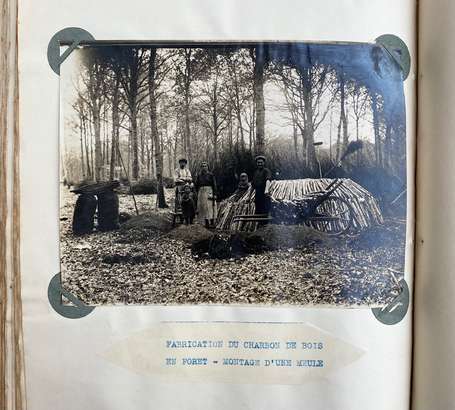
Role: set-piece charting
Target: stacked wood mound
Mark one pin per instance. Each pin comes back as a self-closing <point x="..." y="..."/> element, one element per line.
<point x="365" y="208"/>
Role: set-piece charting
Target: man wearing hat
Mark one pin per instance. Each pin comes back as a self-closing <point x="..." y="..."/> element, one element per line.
<point x="261" y="185"/>
<point x="182" y="176"/>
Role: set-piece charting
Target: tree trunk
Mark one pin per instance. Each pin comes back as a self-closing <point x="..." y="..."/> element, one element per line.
<point x="141" y="140"/>
<point x="215" y="137"/>
<point x="97" y="132"/>
<point x="95" y="113"/>
<point x="115" y="128"/>
<point x="238" y="110"/>
<point x="133" y="105"/>
<point x="230" y="131"/>
<point x="149" y="160"/>
<point x="258" y="92"/>
<point x="87" y="155"/>
<point x="128" y="154"/>
<point x="188" y="148"/>
<point x="377" y="139"/>
<point x="304" y="145"/>
<point x="174" y="153"/>
<point x="104" y="140"/>
<point x="207" y="145"/>
<point x="343" y="117"/>
<point x="90" y="128"/>
<point x="134" y="145"/>
<point x="330" y="137"/>
<point x="154" y="126"/>
<point x="107" y="157"/>
<point x="387" y="160"/>
<point x="338" y="150"/>
<point x="82" y="147"/>
<point x="296" y="144"/>
<point x="169" y="160"/>
<point x="251" y="134"/>
<point x="152" y="154"/>
<point x="308" y="126"/>
<point x="188" y="79"/>
<point x="215" y="125"/>
<point x="357" y="119"/>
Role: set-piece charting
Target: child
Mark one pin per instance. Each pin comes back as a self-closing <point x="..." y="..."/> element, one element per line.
<point x="188" y="205"/>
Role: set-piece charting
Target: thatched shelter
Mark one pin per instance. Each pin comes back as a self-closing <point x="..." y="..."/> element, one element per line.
<point x="365" y="208"/>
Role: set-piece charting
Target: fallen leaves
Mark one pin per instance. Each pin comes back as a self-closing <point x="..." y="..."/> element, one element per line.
<point x="147" y="266"/>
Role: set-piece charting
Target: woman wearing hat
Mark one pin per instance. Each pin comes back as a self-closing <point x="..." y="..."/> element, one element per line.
<point x="182" y="176"/>
<point x="206" y="196"/>
<point x="261" y="184"/>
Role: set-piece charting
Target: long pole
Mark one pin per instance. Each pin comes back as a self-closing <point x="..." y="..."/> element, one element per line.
<point x="127" y="177"/>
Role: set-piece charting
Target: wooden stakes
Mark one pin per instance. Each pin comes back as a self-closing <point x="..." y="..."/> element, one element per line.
<point x="365" y="207"/>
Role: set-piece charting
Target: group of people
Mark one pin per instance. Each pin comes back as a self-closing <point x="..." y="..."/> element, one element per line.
<point x="197" y="197"/>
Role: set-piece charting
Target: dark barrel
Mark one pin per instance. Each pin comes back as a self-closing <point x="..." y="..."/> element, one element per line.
<point x="108" y="211"/>
<point x="84" y="214"/>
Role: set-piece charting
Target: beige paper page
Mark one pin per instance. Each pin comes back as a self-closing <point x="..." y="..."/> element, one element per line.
<point x="87" y="363"/>
<point x="434" y="362"/>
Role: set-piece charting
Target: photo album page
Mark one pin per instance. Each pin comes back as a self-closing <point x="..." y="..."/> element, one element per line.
<point x="217" y="204"/>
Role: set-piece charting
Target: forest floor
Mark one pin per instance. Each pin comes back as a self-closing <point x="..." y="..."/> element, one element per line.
<point x="144" y="265"/>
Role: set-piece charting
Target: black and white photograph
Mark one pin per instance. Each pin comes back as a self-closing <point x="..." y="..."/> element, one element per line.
<point x="242" y="173"/>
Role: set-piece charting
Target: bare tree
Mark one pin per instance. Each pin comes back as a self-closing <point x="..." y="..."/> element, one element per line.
<point x="239" y="90"/>
<point x="115" y="98"/>
<point x="359" y="98"/>
<point x="189" y="65"/>
<point x="213" y="104"/>
<point x="79" y="107"/>
<point x="93" y="78"/>
<point x="343" y="116"/>
<point x="156" y="73"/>
<point x="305" y="88"/>
<point x="133" y="79"/>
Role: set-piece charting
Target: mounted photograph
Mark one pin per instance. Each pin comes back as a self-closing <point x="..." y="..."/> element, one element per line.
<point x="241" y="173"/>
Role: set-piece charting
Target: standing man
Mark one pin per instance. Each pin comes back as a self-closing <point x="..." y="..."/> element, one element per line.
<point x="182" y="176"/>
<point x="261" y="185"/>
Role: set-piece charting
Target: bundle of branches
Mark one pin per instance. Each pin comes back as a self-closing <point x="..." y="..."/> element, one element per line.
<point x="96" y="188"/>
<point x="288" y="199"/>
<point x="352" y="147"/>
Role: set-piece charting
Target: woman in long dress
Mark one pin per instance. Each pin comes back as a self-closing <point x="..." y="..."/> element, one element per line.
<point x="206" y="196"/>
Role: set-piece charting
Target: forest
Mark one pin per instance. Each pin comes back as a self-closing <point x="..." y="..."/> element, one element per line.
<point x="130" y="112"/>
